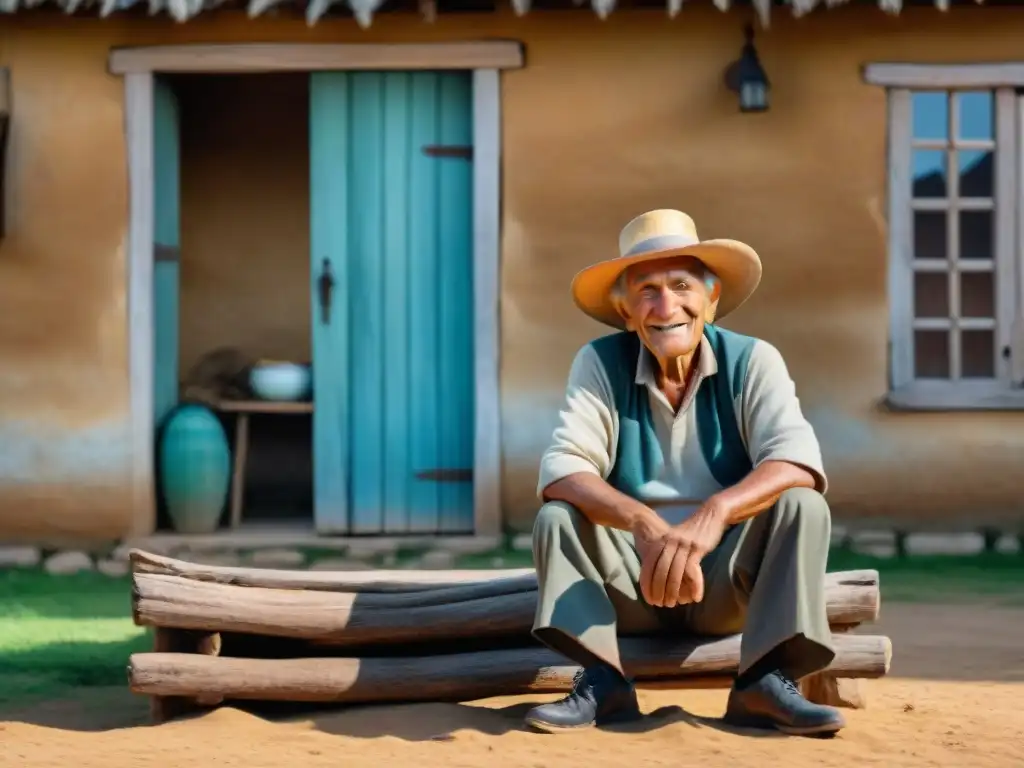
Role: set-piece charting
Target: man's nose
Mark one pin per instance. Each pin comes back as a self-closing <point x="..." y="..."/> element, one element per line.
<point x="665" y="304"/>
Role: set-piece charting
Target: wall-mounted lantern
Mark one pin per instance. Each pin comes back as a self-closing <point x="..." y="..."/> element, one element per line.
<point x="747" y="77"/>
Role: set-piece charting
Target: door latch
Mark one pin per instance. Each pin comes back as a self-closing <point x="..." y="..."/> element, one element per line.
<point x="325" y="284"/>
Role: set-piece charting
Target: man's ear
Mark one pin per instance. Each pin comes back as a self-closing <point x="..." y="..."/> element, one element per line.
<point x="709" y="313"/>
<point x="624" y="314"/>
<point x="716" y="294"/>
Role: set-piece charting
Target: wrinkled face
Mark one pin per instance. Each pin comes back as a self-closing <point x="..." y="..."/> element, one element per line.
<point x="667" y="302"/>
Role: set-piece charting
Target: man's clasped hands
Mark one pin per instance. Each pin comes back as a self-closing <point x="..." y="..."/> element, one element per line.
<point x="670" y="555"/>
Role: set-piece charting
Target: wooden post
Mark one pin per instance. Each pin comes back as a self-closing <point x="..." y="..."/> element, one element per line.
<point x="164" y="708"/>
<point x="822" y="688"/>
<point x="827" y="689"/>
<point x="238" y="474"/>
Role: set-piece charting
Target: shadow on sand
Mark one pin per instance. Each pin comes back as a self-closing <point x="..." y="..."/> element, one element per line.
<point x="441" y="721"/>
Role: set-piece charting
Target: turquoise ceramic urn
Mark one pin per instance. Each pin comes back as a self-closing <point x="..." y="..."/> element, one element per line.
<point x="195" y="468"/>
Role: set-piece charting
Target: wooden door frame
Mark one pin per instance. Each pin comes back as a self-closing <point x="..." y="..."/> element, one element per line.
<point x="486" y="59"/>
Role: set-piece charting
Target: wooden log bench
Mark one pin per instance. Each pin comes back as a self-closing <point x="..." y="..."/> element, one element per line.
<point x="225" y="633"/>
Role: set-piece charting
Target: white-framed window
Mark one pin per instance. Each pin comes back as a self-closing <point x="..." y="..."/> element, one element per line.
<point x="955" y="250"/>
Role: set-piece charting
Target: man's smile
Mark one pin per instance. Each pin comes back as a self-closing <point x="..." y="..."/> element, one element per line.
<point x="667" y="328"/>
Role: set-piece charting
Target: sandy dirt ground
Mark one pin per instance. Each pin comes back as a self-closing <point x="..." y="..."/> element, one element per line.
<point x="954" y="697"/>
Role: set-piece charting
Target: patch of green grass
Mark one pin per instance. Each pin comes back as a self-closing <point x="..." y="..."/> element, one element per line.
<point x="510" y="558"/>
<point x="937" y="578"/>
<point x="58" y="633"/>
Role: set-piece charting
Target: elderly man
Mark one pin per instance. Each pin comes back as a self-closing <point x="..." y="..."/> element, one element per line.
<point x="683" y="489"/>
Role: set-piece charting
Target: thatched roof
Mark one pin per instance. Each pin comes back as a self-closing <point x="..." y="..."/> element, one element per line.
<point x="363" y="10"/>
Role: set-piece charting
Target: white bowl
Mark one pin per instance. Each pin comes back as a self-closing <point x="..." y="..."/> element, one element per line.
<point x="282" y="382"/>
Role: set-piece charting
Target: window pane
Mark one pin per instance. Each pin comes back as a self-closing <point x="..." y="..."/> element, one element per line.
<point x="975" y="171"/>
<point x="931" y="354"/>
<point x="931" y="114"/>
<point x="929" y="173"/>
<point x="931" y="294"/>
<point x="929" y="235"/>
<point x="976" y="239"/>
<point x="978" y="354"/>
<point x="977" y="294"/>
<point x="976" y="115"/>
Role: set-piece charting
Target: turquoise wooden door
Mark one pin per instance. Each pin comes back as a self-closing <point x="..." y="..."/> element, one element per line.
<point x="392" y="204"/>
<point x="166" y="221"/>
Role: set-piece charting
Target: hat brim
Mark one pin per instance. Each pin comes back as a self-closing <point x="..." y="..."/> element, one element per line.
<point x="735" y="264"/>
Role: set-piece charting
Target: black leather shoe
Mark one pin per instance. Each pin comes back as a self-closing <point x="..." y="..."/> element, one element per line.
<point x="774" y="702"/>
<point x="599" y="697"/>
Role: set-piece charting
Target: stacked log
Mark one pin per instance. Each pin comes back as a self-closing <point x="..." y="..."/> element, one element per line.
<point x="224" y="633"/>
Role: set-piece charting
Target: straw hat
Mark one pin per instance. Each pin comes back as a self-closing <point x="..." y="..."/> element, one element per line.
<point x="662" y="234"/>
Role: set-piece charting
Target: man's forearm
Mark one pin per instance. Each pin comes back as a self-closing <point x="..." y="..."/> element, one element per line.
<point x="599" y="501"/>
<point x="760" y="490"/>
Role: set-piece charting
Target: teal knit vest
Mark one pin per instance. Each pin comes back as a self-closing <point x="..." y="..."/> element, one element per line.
<point x="639" y="458"/>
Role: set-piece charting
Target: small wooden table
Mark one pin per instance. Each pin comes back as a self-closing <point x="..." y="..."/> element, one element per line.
<point x="243" y="409"/>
